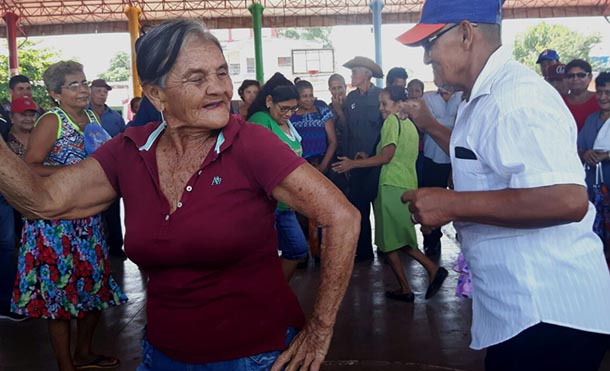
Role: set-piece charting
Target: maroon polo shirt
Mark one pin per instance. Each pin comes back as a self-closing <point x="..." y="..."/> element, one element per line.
<point x="216" y="290"/>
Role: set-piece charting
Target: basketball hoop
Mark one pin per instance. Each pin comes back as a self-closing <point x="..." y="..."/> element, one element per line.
<point x="313" y="72"/>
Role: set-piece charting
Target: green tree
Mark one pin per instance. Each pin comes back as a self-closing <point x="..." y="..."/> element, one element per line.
<point x="568" y="43"/>
<point x="33" y="61"/>
<point x="120" y="68"/>
<point x="321" y="34"/>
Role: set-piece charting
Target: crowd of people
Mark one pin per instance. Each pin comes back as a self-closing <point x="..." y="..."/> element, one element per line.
<point x="213" y="189"/>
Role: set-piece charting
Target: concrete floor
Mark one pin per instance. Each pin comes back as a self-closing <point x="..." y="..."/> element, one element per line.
<point x="371" y="333"/>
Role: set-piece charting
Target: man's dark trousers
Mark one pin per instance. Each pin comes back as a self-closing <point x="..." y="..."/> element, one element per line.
<point x="360" y="197"/>
<point x="434" y="175"/>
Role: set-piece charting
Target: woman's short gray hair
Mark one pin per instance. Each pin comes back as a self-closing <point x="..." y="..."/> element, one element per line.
<point x="158" y="50"/>
<point x="55" y="76"/>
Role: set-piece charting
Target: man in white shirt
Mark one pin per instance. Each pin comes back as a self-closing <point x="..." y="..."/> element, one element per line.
<point x="443" y="104"/>
<point x="541" y="288"/>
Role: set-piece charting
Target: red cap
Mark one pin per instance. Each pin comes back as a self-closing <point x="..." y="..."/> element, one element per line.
<point x="555" y="71"/>
<point x="419" y="32"/>
<point x="22" y="104"/>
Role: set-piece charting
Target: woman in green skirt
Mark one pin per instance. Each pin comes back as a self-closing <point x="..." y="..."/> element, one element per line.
<point x="394" y="230"/>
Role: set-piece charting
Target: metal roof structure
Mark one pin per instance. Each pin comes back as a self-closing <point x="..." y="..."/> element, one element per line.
<point x="50" y="17"/>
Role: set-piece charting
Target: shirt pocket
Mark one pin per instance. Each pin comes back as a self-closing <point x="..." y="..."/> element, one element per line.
<point x="470" y="175"/>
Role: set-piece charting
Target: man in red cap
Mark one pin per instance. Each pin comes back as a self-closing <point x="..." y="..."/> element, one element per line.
<point x="520" y="205"/>
<point x="555" y="74"/>
<point x="24" y="113"/>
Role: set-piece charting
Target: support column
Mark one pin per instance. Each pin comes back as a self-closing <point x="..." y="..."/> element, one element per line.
<point x="133" y="25"/>
<point x="11" y="34"/>
<point x="376" y="6"/>
<point x="256" y="9"/>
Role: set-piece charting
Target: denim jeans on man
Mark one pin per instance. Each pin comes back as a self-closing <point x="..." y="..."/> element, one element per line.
<point x="154" y="360"/>
<point x="8" y="264"/>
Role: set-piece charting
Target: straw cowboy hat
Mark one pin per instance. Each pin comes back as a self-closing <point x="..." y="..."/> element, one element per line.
<point x="366" y="63"/>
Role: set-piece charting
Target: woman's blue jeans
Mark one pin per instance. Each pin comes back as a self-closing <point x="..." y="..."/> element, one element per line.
<point x="154" y="360"/>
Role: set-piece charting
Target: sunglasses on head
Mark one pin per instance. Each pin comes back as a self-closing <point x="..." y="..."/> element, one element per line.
<point x="580" y="75"/>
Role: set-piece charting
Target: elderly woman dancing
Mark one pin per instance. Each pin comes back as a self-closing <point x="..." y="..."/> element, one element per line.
<point x="63" y="271"/>
<point x="199" y="190"/>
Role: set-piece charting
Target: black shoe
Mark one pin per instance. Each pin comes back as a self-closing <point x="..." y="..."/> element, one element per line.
<point x="407" y="298"/>
<point x="437" y="282"/>
<point x="13" y="317"/>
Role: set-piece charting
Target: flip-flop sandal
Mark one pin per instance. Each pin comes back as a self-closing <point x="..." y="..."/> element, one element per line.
<point x="100" y="363"/>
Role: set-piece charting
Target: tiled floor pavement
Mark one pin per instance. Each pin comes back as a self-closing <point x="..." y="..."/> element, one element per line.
<point x="371" y="333"/>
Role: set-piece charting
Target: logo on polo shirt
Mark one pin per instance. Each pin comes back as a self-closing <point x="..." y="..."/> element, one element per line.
<point x="217" y="180"/>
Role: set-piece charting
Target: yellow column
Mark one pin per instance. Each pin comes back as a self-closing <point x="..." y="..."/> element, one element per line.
<point x="133" y="23"/>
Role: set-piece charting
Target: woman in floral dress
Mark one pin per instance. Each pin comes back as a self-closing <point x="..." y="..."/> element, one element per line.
<point x="63" y="270"/>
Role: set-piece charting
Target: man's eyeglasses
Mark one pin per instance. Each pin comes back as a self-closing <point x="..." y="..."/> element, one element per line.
<point x="285" y="109"/>
<point x="580" y="75"/>
<point x="429" y="42"/>
<point x="75" y="85"/>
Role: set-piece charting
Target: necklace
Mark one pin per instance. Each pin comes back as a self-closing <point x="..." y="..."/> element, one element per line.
<point x="80" y="123"/>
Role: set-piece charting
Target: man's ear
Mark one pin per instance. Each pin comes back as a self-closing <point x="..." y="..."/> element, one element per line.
<point x="467" y="30"/>
<point x="155" y="95"/>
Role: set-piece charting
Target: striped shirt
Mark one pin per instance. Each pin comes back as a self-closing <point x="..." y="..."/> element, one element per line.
<point x="523" y="136"/>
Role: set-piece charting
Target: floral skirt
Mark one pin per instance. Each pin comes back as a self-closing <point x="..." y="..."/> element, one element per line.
<point x="63" y="270"/>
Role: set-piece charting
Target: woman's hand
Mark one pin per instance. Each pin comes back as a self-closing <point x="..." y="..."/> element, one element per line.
<point x="591" y="157"/>
<point x="308" y="349"/>
<point x="337" y="103"/>
<point x="322" y="167"/>
<point x="344" y="165"/>
<point x="602" y="155"/>
<point x="310" y="193"/>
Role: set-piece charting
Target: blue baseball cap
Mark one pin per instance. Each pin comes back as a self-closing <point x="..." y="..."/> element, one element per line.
<point x="548" y="55"/>
<point x="436" y="14"/>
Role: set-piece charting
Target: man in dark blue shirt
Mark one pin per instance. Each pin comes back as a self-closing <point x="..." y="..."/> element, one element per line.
<point x="363" y="121"/>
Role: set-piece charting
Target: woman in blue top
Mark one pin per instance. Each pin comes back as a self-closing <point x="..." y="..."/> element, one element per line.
<point x="314" y="122"/>
<point x="272" y="108"/>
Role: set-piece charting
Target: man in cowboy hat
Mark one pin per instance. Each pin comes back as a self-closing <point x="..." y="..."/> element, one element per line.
<point x="520" y="206"/>
<point x="364" y="122"/>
